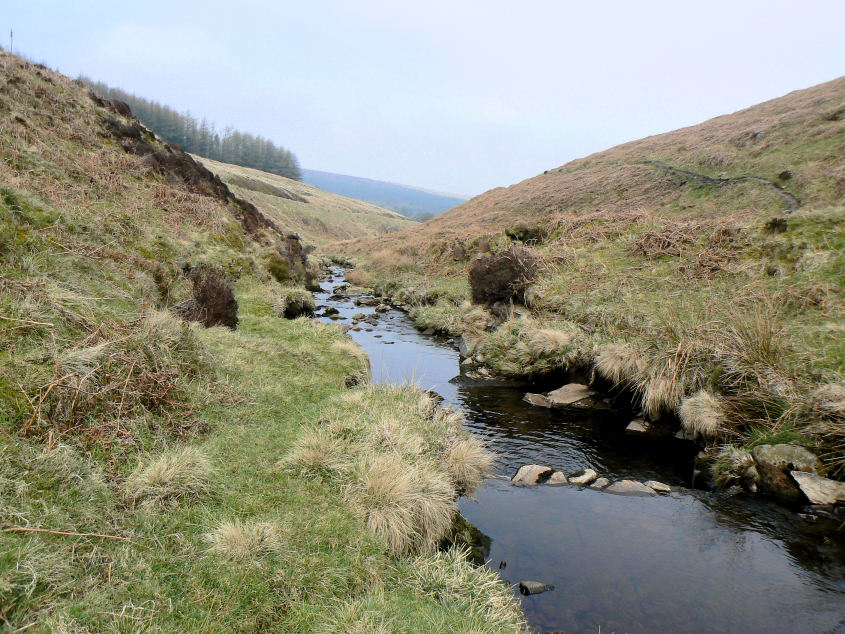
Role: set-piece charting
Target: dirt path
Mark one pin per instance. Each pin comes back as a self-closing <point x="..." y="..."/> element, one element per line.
<point x="792" y="203"/>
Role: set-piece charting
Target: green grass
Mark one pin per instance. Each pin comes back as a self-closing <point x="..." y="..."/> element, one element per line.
<point x="148" y="454"/>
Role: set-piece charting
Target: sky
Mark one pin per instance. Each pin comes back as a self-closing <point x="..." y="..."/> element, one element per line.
<point x="452" y="96"/>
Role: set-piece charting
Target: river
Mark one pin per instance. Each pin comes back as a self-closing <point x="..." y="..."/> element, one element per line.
<point x="688" y="561"/>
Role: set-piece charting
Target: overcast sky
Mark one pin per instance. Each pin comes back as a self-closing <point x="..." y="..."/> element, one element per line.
<point x="453" y="96"/>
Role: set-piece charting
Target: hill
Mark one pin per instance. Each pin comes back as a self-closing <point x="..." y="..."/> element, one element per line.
<point x="700" y="271"/>
<point x="175" y="455"/>
<point x="202" y="137"/>
<point x="416" y="203"/>
<point x="316" y="215"/>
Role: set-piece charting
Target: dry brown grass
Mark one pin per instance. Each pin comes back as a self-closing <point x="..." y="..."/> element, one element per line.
<point x="246" y="542"/>
<point x="176" y="475"/>
<point x="410" y="506"/>
<point x="703" y="415"/>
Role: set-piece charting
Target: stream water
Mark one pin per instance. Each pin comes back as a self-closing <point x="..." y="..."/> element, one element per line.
<point x="689" y="561"/>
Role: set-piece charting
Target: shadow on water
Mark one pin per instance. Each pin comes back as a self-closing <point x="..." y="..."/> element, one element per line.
<point x="689" y="561"/>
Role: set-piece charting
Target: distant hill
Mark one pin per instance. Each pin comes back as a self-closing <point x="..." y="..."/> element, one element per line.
<point x="413" y="202"/>
<point x="318" y="216"/>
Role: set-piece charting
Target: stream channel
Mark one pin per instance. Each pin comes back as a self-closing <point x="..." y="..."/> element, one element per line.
<point x="687" y="561"/>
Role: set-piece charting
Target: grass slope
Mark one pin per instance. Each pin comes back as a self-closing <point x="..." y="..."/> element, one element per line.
<point x="706" y="259"/>
<point x="150" y="469"/>
<point x="318" y="216"/>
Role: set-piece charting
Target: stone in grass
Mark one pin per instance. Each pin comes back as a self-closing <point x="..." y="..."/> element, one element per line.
<point x="534" y="587"/>
<point x="531" y="475"/>
<point x="631" y="488"/>
<point x="600" y="483"/>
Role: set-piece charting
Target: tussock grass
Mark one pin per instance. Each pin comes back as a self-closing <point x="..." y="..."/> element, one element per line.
<point x="703" y="415"/>
<point x="399" y="459"/>
<point x="174" y="476"/>
<point x="468" y="462"/>
<point x="733" y="465"/>
<point x="524" y="347"/>
<point x="456" y="586"/>
<point x="248" y="541"/>
<point x="620" y="364"/>
<point x="294" y="302"/>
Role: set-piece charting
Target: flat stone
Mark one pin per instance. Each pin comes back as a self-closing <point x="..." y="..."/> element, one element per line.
<point x="534" y="587"/>
<point x="631" y="488"/>
<point x="530" y="475"/>
<point x="558" y="478"/>
<point x="637" y="426"/>
<point x="570" y="394"/>
<point x="600" y="483"/>
<point x="428" y="331"/>
<point x="359" y="316"/>
<point x="683" y="434"/>
<point x="819" y="490"/>
<point x="654" y="485"/>
<point x="537" y="400"/>
<point x="585" y="478"/>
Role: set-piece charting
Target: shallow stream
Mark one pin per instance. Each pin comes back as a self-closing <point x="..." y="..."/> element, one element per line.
<point x="689" y="561"/>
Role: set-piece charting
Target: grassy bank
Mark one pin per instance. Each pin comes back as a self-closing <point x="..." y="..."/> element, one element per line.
<point x="151" y="469"/>
<point x="736" y="308"/>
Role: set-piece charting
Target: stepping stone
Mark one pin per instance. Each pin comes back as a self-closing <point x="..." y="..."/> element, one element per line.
<point x="585" y="478"/>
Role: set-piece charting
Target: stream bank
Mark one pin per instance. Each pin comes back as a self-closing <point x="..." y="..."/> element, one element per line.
<point x="684" y="561"/>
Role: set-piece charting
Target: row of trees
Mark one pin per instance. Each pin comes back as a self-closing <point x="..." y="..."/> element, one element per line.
<point x="201" y="137"/>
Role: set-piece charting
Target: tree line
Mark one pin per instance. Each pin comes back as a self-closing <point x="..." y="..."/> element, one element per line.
<point x="201" y="137"/>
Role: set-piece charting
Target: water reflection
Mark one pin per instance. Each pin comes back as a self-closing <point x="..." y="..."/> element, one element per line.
<point x="689" y="561"/>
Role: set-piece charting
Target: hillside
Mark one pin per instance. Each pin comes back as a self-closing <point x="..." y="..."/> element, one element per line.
<point x="169" y="442"/>
<point x="413" y="202"/>
<point x="316" y="215"/>
<point x="702" y="271"/>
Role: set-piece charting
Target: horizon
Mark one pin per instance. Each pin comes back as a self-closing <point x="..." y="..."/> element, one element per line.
<point x="425" y="97"/>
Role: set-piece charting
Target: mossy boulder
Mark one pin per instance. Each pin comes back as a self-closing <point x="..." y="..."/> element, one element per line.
<point x="774" y="462"/>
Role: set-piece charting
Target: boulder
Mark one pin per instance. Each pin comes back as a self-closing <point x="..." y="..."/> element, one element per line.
<point x="571" y="394"/>
<point x="466" y="345"/>
<point x="428" y="331"/>
<point x="382" y="308"/>
<point x="537" y="400"/>
<point x="637" y="426"/>
<point x="366" y="301"/>
<point x="819" y="490"/>
<point x="558" y="478"/>
<point x="585" y="478"/>
<point x="600" y="483"/>
<point x="531" y="475"/>
<point x="630" y="488"/>
<point x="654" y="485"/>
<point x="328" y="311"/>
<point x="534" y="587"/>
<point x="359" y="316"/>
<point x="774" y="462"/>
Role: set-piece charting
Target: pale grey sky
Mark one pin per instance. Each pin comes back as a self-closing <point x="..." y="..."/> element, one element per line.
<point x="448" y="95"/>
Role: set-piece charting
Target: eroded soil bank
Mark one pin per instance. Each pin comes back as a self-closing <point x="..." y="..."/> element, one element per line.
<point x="683" y="561"/>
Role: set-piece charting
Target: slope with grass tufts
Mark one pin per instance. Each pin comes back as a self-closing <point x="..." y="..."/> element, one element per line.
<point x="702" y="271"/>
<point x="139" y="486"/>
<point x="316" y="215"/>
